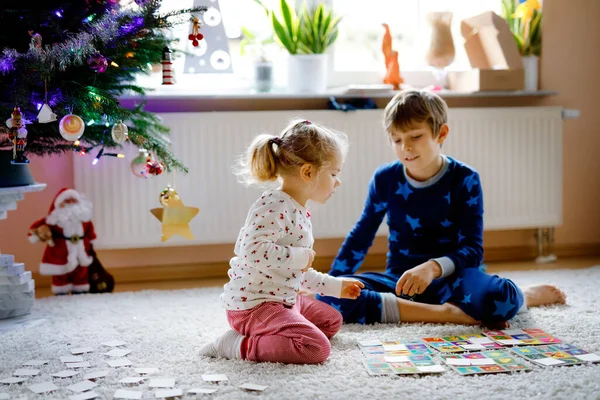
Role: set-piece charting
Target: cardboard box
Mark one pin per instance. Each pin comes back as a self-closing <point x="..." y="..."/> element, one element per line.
<point x="492" y="53"/>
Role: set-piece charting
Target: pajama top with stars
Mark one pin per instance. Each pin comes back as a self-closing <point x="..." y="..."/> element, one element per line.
<point x="440" y="219"/>
<point x="271" y="251"/>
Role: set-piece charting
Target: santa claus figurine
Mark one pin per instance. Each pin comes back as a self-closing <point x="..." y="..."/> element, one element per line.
<point x="68" y="232"/>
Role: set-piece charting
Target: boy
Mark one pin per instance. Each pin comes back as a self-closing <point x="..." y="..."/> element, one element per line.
<point x="434" y="209"/>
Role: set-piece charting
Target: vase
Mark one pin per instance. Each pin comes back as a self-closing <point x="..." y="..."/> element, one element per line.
<point x="13" y="174"/>
<point x="531" y="70"/>
<point x="307" y="73"/>
<point x="263" y="76"/>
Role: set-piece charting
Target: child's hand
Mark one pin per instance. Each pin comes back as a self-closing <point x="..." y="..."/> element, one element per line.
<point x="311" y="258"/>
<point x="417" y="279"/>
<point x="351" y="288"/>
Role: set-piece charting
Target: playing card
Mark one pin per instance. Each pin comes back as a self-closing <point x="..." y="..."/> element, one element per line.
<point x="588" y="357"/>
<point x="482" y="361"/>
<point x="549" y="361"/>
<point x="369" y="343"/>
<point x="35" y="363"/>
<point x="473" y="346"/>
<point x="214" y="377"/>
<point x="84" y="396"/>
<point x="145" y="371"/>
<point x="65" y="374"/>
<point x="44" y="387"/>
<point x="71" y="359"/>
<point x="201" y="391"/>
<point x="84" y="364"/>
<point x="164" y="393"/>
<point x="12" y="379"/>
<point x="132" y="380"/>
<point x="26" y="372"/>
<point x="254" y="387"/>
<point x="96" y="375"/>
<point x="128" y="394"/>
<point x="431" y="368"/>
<point x="458" y="361"/>
<point x="162" y="383"/>
<point x="118" y="352"/>
<point x="81" y="350"/>
<point x="120" y="362"/>
<point x="82" y="386"/>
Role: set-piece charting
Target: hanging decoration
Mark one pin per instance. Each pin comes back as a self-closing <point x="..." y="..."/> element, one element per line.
<point x="18" y="136"/>
<point x="98" y="63"/>
<point x="174" y="216"/>
<point x="119" y="132"/>
<point x="196" y="35"/>
<point x="71" y="127"/>
<point x="167" y="67"/>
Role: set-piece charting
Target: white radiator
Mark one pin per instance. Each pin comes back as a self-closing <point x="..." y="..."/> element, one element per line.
<point x="518" y="152"/>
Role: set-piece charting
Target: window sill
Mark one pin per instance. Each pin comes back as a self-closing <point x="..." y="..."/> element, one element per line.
<point x="176" y="99"/>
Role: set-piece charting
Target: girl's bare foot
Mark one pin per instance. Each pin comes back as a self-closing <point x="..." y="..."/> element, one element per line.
<point x="543" y="295"/>
<point x="455" y="315"/>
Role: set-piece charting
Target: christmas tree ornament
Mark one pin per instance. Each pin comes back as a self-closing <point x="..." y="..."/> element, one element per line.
<point x="36" y="40"/>
<point x="71" y="127"/>
<point x="174" y="216"/>
<point x="46" y="115"/>
<point x="167" y="67"/>
<point x="119" y="132"/>
<point x="154" y="168"/>
<point x="138" y="164"/>
<point x="195" y="36"/>
<point x="18" y="136"/>
<point x="98" y="63"/>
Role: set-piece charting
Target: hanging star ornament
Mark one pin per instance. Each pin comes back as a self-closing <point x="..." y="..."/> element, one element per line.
<point x="174" y="216"/>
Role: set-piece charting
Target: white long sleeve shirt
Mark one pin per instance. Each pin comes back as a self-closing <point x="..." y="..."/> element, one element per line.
<point x="271" y="250"/>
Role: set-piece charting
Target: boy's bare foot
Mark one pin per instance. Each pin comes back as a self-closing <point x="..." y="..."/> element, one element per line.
<point x="455" y="315"/>
<point x="543" y="295"/>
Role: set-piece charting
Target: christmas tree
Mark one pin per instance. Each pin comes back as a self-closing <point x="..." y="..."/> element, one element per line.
<point x="63" y="66"/>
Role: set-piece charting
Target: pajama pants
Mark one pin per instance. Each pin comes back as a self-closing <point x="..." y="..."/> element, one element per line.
<point x="294" y="335"/>
<point x="76" y="281"/>
<point x="485" y="297"/>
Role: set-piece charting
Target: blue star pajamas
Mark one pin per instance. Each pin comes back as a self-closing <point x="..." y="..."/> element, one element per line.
<point x="440" y="219"/>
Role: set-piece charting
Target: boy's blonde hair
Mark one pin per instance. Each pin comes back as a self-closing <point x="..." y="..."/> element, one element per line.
<point x="413" y="106"/>
<point x="301" y="142"/>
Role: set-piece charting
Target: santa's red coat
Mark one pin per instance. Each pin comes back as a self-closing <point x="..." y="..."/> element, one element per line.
<point x="65" y="255"/>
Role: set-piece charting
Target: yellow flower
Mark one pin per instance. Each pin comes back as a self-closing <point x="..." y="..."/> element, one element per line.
<point x="525" y="10"/>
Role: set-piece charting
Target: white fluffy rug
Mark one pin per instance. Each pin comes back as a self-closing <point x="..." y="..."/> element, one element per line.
<point x="164" y="329"/>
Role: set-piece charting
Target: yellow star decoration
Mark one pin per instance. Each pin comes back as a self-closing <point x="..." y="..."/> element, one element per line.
<point x="175" y="217"/>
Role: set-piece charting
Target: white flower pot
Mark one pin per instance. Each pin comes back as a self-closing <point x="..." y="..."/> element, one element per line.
<point x="531" y="68"/>
<point x="307" y="73"/>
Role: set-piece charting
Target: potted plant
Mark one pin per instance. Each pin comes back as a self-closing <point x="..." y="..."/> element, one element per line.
<point x="306" y="35"/>
<point x="524" y="19"/>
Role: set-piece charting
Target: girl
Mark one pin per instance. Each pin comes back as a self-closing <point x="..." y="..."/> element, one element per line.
<point x="271" y="321"/>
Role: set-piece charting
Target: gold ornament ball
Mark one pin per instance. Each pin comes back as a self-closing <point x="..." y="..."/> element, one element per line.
<point x="71" y="127"/>
<point x="119" y="132"/>
<point x="167" y="195"/>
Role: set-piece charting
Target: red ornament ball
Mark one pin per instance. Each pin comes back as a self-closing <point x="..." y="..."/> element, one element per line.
<point x="199" y="36"/>
<point x="195" y="43"/>
<point x="191" y="36"/>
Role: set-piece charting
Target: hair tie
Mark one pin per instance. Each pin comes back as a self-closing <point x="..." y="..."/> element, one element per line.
<point x="307" y="122"/>
<point x="276" y="140"/>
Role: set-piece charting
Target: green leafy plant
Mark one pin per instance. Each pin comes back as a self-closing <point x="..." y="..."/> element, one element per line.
<point x="255" y="42"/>
<point x="311" y="31"/>
<point x="525" y="22"/>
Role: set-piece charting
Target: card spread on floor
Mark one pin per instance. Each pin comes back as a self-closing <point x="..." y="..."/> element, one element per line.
<point x="390" y="349"/>
<point x="81" y="350"/>
<point x="369" y="342"/>
<point x="119" y="362"/>
<point x="11" y="380"/>
<point x="214" y="377"/>
<point x="64" y="374"/>
<point x="84" y="364"/>
<point x="26" y="372"/>
<point x="118" y="352"/>
<point x="521" y="337"/>
<point x="556" y="354"/>
<point x="35" y="363"/>
<point x="114" y="343"/>
<point x="462" y="343"/>
<point x="84" y="396"/>
<point x="145" y="371"/>
<point x="132" y="380"/>
<point x="166" y="393"/>
<point x="201" y="391"/>
<point x="71" y="359"/>
<point x="254" y="387"/>
<point x="95" y="375"/>
<point x="128" y="394"/>
<point x="44" y="387"/>
<point x="82" y="386"/>
<point x="415" y="364"/>
<point x="162" y="383"/>
<point x="485" y="362"/>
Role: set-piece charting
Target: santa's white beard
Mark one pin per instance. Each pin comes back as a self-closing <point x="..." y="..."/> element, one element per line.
<point x="70" y="217"/>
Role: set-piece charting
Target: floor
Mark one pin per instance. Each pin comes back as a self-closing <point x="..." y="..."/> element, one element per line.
<point x="494" y="268"/>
